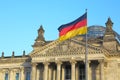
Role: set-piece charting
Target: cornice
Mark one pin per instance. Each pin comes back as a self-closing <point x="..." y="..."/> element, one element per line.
<point x="44" y="47"/>
<point x="14" y="60"/>
<point x="51" y="50"/>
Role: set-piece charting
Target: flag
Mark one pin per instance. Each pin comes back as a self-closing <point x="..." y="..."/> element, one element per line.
<point x="76" y="27"/>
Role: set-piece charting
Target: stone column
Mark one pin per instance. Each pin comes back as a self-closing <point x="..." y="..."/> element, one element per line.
<point x="22" y="74"/>
<point x="77" y="72"/>
<point x="11" y="75"/>
<point x="14" y="74"/>
<point x="54" y="73"/>
<point x="33" y="74"/>
<point x="46" y="70"/>
<point x="73" y="62"/>
<point x="1" y="74"/>
<point x="58" y="69"/>
<point x="38" y="72"/>
<point x="89" y="70"/>
<point x="63" y="72"/>
<point x="101" y="62"/>
<point x="50" y="73"/>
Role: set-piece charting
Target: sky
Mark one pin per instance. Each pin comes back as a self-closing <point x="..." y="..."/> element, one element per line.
<point x="20" y="19"/>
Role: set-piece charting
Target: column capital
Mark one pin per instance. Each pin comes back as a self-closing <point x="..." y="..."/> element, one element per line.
<point x="101" y="61"/>
<point x="5" y="70"/>
<point x="11" y="70"/>
<point x="46" y="63"/>
<point x="58" y="62"/>
<point x="34" y="64"/>
<point x="16" y="70"/>
<point x="89" y="61"/>
<point x="22" y="68"/>
<point x="2" y="70"/>
<point x="72" y="61"/>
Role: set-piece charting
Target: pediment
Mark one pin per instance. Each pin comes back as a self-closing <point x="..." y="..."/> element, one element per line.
<point x="68" y="47"/>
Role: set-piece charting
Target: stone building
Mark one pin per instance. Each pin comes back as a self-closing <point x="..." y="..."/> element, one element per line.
<point x="54" y="60"/>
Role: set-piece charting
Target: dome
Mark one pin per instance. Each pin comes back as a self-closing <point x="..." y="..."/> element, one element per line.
<point x="96" y="31"/>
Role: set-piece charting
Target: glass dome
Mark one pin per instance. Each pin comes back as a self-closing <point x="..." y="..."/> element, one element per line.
<point x="96" y="31"/>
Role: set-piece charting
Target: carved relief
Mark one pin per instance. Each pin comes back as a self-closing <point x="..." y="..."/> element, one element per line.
<point x="69" y="48"/>
<point x="72" y="61"/>
<point x="16" y="70"/>
<point x="64" y="48"/>
<point x="5" y="70"/>
<point x="34" y="64"/>
<point x="58" y="62"/>
<point x="46" y="63"/>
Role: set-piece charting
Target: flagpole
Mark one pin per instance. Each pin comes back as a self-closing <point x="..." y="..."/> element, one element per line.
<point x="86" y="57"/>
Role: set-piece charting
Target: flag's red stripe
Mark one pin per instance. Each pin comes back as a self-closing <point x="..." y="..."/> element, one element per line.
<point x="73" y="27"/>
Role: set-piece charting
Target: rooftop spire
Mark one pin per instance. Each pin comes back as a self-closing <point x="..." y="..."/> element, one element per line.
<point x="24" y="53"/>
<point x="2" y="54"/>
<point x="41" y="30"/>
<point x="109" y="24"/>
<point x="109" y="36"/>
<point x="40" y="40"/>
<point x="40" y="34"/>
<point x="13" y="54"/>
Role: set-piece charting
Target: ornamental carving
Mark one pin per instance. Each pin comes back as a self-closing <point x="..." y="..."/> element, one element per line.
<point x="72" y="61"/>
<point x="46" y="63"/>
<point x="68" y="48"/>
<point x="58" y="62"/>
<point x="65" y="49"/>
<point x="16" y="70"/>
<point x="34" y="64"/>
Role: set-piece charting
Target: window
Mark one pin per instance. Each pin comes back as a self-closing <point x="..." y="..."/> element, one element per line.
<point x="6" y="76"/>
<point x="82" y="72"/>
<point x="17" y="76"/>
<point x="68" y="73"/>
<point x="27" y="75"/>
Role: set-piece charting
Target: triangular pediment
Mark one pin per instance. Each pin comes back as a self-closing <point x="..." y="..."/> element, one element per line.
<point x="68" y="47"/>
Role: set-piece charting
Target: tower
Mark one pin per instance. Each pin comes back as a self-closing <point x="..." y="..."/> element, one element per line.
<point x="40" y="40"/>
<point x="109" y="40"/>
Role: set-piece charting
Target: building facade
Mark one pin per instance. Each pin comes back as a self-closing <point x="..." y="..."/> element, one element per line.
<point x="55" y="60"/>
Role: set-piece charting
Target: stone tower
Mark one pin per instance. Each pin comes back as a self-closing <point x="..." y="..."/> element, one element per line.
<point x="40" y="40"/>
<point x="109" y="40"/>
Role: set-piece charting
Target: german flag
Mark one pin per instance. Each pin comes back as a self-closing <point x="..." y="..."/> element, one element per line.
<point x="76" y="27"/>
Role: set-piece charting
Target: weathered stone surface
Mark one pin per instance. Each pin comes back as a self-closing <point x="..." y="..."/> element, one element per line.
<point x="54" y="58"/>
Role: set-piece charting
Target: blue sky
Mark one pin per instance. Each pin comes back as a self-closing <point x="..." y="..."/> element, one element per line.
<point x="20" y="19"/>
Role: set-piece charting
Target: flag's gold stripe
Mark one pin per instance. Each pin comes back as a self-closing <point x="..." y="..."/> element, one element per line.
<point x="70" y="34"/>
